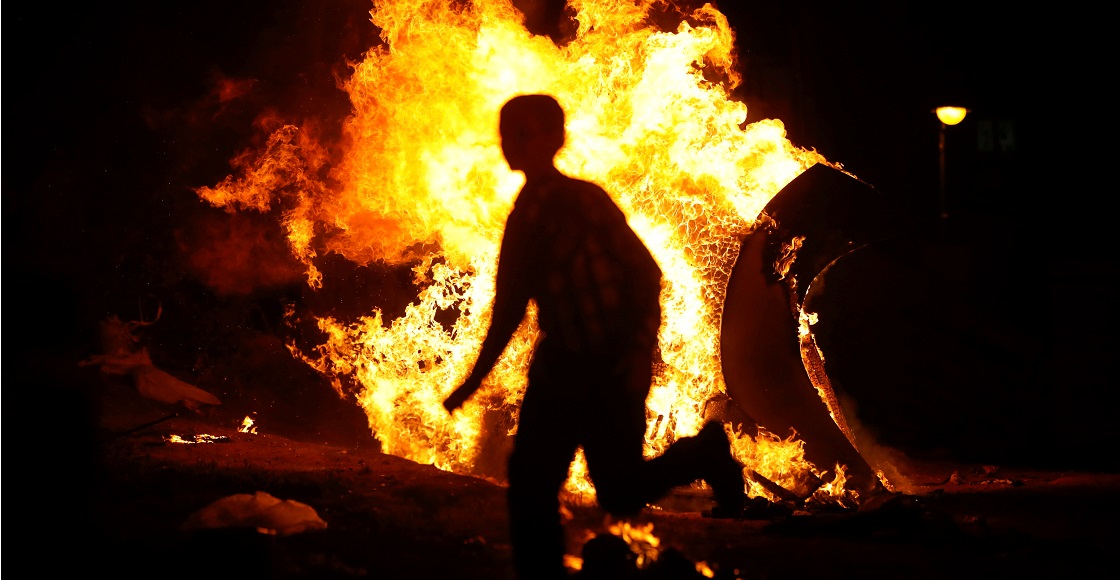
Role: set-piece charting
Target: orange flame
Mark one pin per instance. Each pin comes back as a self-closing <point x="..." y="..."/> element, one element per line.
<point x="421" y="183"/>
<point x="196" y="439"/>
<point x="640" y="538"/>
<point x="247" y="426"/>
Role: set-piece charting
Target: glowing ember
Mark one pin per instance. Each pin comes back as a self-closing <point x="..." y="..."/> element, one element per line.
<point x="420" y="182"/>
<point x="194" y="439"/>
<point x="641" y="540"/>
<point x="247" y="426"/>
<point x="705" y="570"/>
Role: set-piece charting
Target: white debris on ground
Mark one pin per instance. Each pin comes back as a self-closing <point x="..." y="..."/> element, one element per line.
<point x="123" y="355"/>
<point x="260" y="510"/>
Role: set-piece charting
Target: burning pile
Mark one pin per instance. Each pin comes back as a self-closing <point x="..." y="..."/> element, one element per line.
<point x="419" y="181"/>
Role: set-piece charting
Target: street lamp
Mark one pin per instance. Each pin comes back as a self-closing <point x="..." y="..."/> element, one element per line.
<point x="947" y="116"/>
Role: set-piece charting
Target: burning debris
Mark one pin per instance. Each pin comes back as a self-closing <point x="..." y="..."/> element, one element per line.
<point x="419" y="182"/>
<point x="629" y="550"/>
<point x="248" y="425"/>
<point x="197" y="438"/>
<point x="770" y="357"/>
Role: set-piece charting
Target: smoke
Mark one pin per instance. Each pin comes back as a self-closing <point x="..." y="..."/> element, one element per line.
<point x="237" y="254"/>
<point x="272" y="64"/>
<point x="888" y="461"/>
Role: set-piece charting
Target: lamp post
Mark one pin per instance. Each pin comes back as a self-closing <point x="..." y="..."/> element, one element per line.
<point x="947" y="116"/>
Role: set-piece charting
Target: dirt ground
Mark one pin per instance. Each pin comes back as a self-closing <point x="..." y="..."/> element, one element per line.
<point x="130" y="492"/>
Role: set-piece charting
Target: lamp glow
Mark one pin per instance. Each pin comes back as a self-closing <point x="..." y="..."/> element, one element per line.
<point x="951" y="115"/>
<point x="947" y="116"/>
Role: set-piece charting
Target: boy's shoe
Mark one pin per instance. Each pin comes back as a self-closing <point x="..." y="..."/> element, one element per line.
<point x="722" y="472"/>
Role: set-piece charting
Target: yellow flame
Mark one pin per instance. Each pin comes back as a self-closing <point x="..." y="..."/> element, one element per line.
<point x="196" y="439"/>
<point x="421" y="183"/>
<point x="788" y="256"/>
<point x="640" y="538"/>
<point x="782" y="461"/>
<point x="247" y="425"/>
<point x="705" y="570"/>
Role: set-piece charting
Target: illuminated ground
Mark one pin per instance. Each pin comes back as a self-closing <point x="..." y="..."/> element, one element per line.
<point x="391" y="518"/>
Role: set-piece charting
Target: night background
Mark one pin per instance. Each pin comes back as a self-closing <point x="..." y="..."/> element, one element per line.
<point x="1005" y="345"/>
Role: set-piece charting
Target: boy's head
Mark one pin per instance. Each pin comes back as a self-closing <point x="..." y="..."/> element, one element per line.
<point x="532" y="131"/>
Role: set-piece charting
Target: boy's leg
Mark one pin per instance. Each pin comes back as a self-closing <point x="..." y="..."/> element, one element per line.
<point x="614" y="449"/>
<point x="543" y="449"/>
<point x="623" y="483"/>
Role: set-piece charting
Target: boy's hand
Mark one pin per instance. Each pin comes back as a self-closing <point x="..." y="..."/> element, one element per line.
<point x="461" y="394"/>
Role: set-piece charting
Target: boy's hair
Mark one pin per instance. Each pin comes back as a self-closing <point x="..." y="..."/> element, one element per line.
<point x="539" y="114"/>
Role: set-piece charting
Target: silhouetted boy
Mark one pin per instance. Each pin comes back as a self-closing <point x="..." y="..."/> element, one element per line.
<point x="568" y="247"/>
